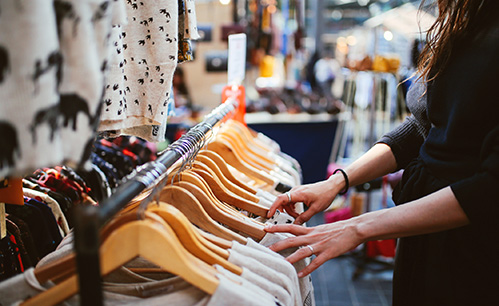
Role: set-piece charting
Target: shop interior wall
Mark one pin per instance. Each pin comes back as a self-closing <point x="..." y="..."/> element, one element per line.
<point x="204" y="86"/>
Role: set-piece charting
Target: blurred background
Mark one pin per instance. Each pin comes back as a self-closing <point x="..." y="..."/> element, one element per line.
<point x="325" y="79"/>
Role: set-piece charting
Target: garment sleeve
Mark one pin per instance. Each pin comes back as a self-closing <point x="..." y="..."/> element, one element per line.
<point x="478" y="195"/>
<point x="406" y="139"/>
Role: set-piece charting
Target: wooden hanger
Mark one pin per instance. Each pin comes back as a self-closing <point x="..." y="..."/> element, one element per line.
<point x="209" y="165"/>
<point x="228" y="153"/>
<point x="242" y="224"/>
<point x="246" y="133"/>
<point x="192" y="177"/>
<point x="247" y="156"/>
<point x="234" y="130"/>
<point x="272" y="164"/>
<point x="191" y="239"/>
<point x="221" y="242"/>
<point x="224" y="194"/>
<point x="222" y="165"/>
<point x="155" y="242"/>
<point x="246" y="145"/>
<point x="189" y="205"/>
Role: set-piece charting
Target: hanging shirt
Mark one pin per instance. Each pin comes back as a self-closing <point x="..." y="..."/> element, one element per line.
<point x="54" y="206"/>
<point x="306" y="286"/>
<point x="135" y="103"/>
<point x="253" y="279"/>
<point x="264" y="269"/>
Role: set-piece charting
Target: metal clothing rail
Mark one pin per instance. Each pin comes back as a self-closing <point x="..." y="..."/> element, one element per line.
<point x="89" y="219"/>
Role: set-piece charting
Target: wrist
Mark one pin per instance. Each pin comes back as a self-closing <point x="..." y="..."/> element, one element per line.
<point x="338" y="182"/>
<point x="362" y="228"/>
<point x="369" y="226"/>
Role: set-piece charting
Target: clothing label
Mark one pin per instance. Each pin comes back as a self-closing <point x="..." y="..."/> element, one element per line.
<point x="11" y="191"/>
<point x="237" y="59"/>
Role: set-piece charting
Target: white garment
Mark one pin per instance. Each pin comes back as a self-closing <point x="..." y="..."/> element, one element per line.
<point x="306" y="286"/>
<point x="264" y="284"/>
<point x="263" y="265"/>
<point x="191" y="24"/>
<point x="250" y="286"/>
<point x="136" y="102"/>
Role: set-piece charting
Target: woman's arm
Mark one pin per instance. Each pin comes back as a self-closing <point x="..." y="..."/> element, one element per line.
<point x="435" y="212"/>
<point x="376" y="162"/>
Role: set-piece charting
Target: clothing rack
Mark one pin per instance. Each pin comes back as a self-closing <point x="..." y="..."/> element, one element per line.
<point x="89" y="219"/>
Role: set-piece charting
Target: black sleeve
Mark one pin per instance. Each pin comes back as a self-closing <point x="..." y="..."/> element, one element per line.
<point x="404" y="141"/>
<point x="407" y="138"/>
<point x="479" y="195"/>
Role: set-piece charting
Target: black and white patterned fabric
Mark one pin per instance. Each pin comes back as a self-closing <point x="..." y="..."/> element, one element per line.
<point x="139" y="87"/>
<point x="53" y="58"/>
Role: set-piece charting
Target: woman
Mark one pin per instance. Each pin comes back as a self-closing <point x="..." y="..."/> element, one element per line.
<point x="448" y="253"/>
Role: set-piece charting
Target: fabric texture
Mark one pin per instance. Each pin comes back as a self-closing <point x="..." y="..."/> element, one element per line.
<point x="277" y="271"/>
<point x="145" y="58"/>
<point x="305" y="283"/>
<point x="50" y="81"/>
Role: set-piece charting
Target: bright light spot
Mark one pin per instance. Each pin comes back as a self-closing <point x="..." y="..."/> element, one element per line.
<point x="272" y="9"/>
<point x="225" y="2"/>
<point x="351" y="40"/>
<point x="388" y="35"/>
<point x="336" y="15"/>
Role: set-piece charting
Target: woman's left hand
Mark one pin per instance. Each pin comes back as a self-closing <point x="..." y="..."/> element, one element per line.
<point x="325" y="241"/>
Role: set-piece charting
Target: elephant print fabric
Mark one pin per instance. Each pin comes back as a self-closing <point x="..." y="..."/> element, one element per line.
<point x="140" y="78"/>
<point x="53" y="56"/>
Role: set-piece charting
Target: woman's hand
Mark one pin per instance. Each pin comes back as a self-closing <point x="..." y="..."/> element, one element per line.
<point x="326" y="241"/>
<point x="317" y="196"/>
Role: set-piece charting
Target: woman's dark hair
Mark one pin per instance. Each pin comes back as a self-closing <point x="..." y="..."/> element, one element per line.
<point x="457" y="20"/>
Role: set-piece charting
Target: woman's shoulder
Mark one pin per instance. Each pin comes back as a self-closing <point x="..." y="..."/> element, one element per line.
<point x="416" y="95"/>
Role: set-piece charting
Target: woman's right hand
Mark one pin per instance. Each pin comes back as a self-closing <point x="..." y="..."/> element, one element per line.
<point x="317" y="197"/>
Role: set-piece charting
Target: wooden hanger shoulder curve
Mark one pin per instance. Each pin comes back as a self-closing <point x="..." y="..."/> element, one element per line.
<point x="222" y="165"/>
<point x="187" y="203"/>
<point x="192" y="240"/>
<point x="239" y="224"/>
<point x="228" y="196"/>
<point x="228" y="154"/>
<point x="148" y="239"/>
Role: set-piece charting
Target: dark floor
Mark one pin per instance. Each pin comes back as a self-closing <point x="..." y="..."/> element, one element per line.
<point x="334" y="284"/>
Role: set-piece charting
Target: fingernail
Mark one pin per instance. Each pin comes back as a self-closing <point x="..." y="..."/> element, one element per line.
<point x="300" y="274"/>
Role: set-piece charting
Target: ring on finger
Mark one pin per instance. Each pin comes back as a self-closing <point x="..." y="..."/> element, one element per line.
<point x="311" y="249"/>
<point x="289" y="196"/>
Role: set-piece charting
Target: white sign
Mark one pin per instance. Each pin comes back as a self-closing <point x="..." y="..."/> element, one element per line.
<point x="237" y="59"/>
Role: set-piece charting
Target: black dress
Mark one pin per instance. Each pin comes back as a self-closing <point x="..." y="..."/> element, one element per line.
<point x="452" y="139"/>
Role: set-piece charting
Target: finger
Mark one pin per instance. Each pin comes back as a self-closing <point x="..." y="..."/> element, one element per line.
<point x="299" y="254"/>
<point x="294" y="229"/>
<point x="279" y="202"/>
<point x="292" y="242"/>
<point x="291" y="210"/>
<point x="305" y="216"/>
<point x="316" y="262"/>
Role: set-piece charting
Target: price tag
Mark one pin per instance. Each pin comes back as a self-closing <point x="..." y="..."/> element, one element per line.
<point x="237" y="59"/>
<point x="11" y="191"/>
